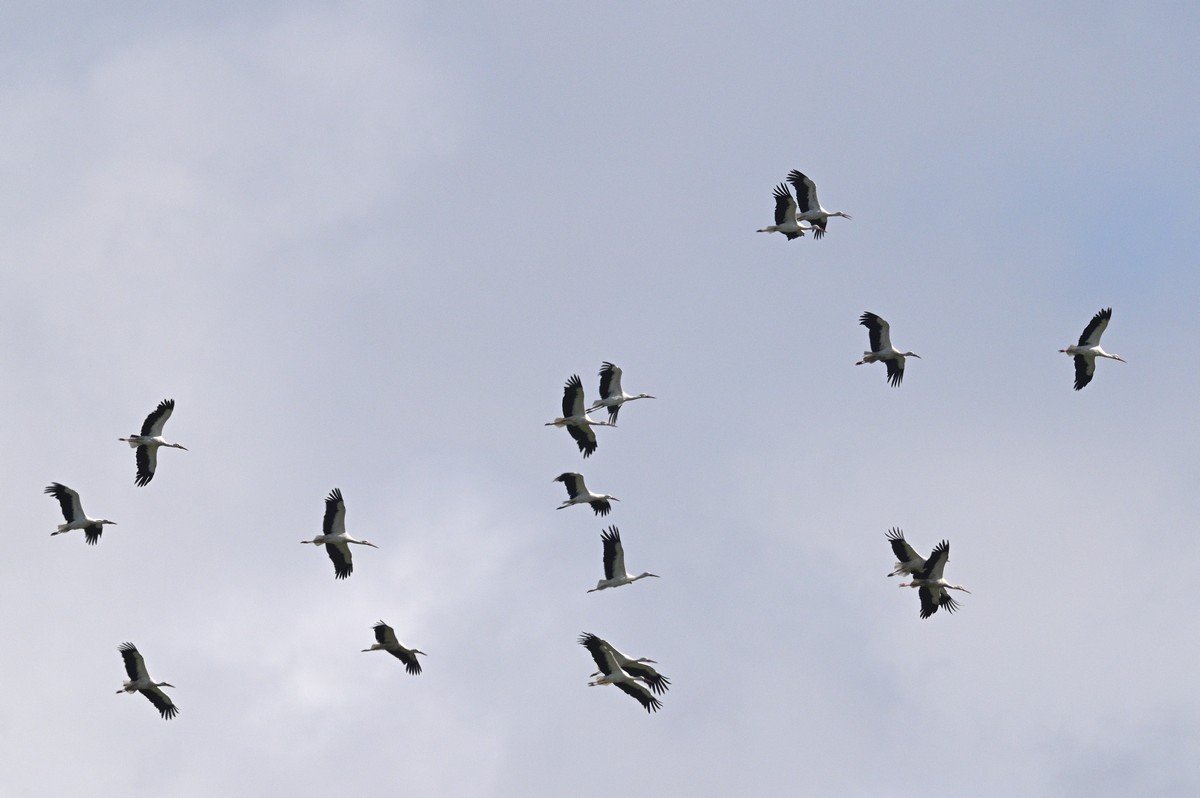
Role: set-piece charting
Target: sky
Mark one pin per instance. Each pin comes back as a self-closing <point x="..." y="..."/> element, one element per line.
<point x="363" y="245"/>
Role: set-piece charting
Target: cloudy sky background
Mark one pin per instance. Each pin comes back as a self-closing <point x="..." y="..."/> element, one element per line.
<point x="364" y="244"/>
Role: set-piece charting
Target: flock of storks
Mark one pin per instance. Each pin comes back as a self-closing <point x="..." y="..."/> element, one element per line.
<point x="634" y="676"/>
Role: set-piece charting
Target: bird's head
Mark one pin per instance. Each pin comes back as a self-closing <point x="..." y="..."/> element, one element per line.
<point x="647" y="573"/>
<point x="177" y="446"/>
<point x="419" y="651"/>
<point x="368" y="543"/>
<point x="163" y="684"/>
<point x="912" y="354"/>
<point x="106" y="521"/>
<point x="958" y="587"/>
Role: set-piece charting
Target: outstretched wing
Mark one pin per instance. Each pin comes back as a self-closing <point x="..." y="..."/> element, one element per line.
<point x="806" y="192"/>
<point x="335" y="513"/>
<point x="785" y="206"/>
<point x="610" y="380"/>
<point x="641" y="693"/>
<point x="343" y="564"/>
<point x="585" y="437"/>
<point x="135" y="667"/>
<point x="1096" y="327"/>
<point x="614" y="553"/>
<point x="147" y="462"/>
<point x="1085" y="367"/>
<point x="153" y="425"/>
<point x="572" y="404"/>
<point x="68" y="500"/>
<point x="879" y="331"/>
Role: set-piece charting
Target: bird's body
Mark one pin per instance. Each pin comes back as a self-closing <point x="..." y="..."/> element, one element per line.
<point x="612" y="673"/>
<point x="1088" y="349"/>
<point x="385" y="640"/>
<point x="75" y="517"/>
<point x="930" y="583"/>
<point x="615" y="574"/>
<point x="576" y="419"/>
<point x="150" y="441"/>
<point x="335" y="538"/>
<point x="612" y="395"/>
<point x="578" y="493"/>
<point x="785" y="215"/>
<point x="879" y="334"/>
<point x="139" y="681"/>
<point x="808" y="208"/>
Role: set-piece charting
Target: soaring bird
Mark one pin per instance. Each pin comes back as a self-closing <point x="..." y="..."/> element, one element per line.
<point x="881" y="348"/>
<point x="140" y="682"/>
<point x="73" y="512"/>
<point x="385" y="638"/>
<point x="576" y="419"/>
<point x="611" y="394"/>
<point x="334" y="536"/>
<point x="578" y="493"/>
<point x="785" y="216"/>
<point x="1088" y="349"/>
<point x="148" y="443"/>
<point x="615" y="574"/>
<point x="809" y="209"/>
<point x="931" y="584"/>
<point x="640" y="668"/>
<point x="615" y="675"/>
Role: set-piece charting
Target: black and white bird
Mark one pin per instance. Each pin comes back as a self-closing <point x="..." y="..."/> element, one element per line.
<point x="150" y="440"/>
<point x="614" y="562"/>
<point x="932" y="587"/>
<point x="809" y="209"/>
<point x="334" y="536"/>
<point x="612" y="395"/>
<point x="578" y="493"/>
<point x="640" y="668"/>
<point x="140" y="682"/>
<point x="1088" y="349"/>
<point x="385" y="638"/>
<point x="879" y="333"/>
<point x="908" y="562"/>
<point x="73" y="512"/>
<point x="785" y="216"/>
<point x="576" y="419"/>
<point x="614" y="674"/>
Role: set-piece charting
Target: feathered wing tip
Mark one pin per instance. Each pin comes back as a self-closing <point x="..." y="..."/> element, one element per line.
<point x="601" y="507"/>
<point x="641" y="693"/>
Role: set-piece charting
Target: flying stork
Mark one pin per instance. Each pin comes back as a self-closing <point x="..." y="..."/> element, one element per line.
<point x="611" y="394"/>
<point x="1088" y="349"/>
<point x="73" y="512"/>
<point x="615" y="675"/>
<point x="785" y="216"/>
<point x="932" y="586"/>
<point x="386" y="640"/>
<point x="148" y="443"/>
<point x="615" y="574"/>
<point x="140" y="682"/>
<point x="578" y="493"/>
<point x="576" y="419"/>
<point x="881" y="348"/>
<point x="806" y="200"/>
<point x="637" y="668"/>
<point x="334" y="536"/>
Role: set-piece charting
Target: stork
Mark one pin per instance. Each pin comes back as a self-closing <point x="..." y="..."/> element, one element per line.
<point x="614" y="563"/>
<point x="615" y="675"/>
<point x="611" y="394"/>
<point x="385" y="638"/>
<point x="140" y="682"/>
<point x="785" y="215"/>
<point x="576" y="419"/>
<point x="1088" y="349"/>
<point x="73" y="512"/>
<point x="148" y="443"/>
<point x="637" y="668"/>
<point x="578" y="493"/>
<point x="932" y="586"/>
<point x="908" y="562"/>
<point x="810" y="209"/>
<point x="334" y="536"/>
<point x="879" y="333"/>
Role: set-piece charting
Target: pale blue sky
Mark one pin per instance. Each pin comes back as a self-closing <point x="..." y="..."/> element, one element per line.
<point x="364" y="245"/>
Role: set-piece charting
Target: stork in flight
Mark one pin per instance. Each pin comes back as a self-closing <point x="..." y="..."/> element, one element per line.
<point x="334" y="536"/>
<point x="1088" y="349"/>
<point x="140" y="682"/>
<point x="879" y="333"/>
<point x="148" y="443"/>
<point x="612" y="395"/>
<point x="640" y="668"/>
<point x="578" y="493"/>
<point x="785" y="216"/>
<point x="810" y="209"/>
<point x="385" y="640"/>
<point x="615" y="574"/>
<point x="73" y="512"/>
<point x="930" y="582"/>
<point x="576" y="419"/>
<point x="615" y="675"/>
